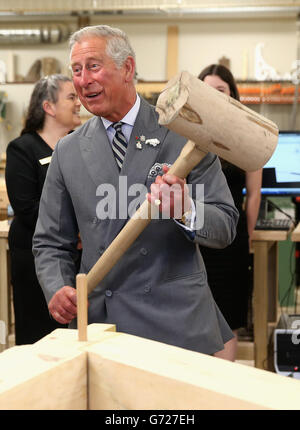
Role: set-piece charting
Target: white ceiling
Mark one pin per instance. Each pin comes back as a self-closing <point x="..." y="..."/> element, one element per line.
<point x="162" y="8"/>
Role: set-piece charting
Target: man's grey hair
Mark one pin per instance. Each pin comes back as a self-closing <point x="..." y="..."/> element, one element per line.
<point x="118" y="46"/>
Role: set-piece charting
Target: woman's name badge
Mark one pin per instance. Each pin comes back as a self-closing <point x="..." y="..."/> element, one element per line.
<point x="45" y="160"/>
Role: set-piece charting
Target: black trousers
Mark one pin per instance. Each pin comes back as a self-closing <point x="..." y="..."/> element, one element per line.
<point x="32" y="318"/>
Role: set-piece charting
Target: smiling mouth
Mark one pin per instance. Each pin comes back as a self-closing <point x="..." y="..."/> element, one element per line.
<point x="92" y="95"/>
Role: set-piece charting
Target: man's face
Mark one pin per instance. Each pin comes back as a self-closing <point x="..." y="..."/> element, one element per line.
<point x="100" y="85"/>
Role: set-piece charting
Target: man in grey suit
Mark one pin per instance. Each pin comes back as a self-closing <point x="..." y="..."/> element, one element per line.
<point x="158" y="289"/>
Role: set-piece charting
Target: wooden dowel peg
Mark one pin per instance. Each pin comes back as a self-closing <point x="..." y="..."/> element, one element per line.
<point x="82" y="306"/>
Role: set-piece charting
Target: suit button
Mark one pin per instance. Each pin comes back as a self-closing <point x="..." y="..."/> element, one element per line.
<point x="143" y="251"/>
<point x="108" y="293"/>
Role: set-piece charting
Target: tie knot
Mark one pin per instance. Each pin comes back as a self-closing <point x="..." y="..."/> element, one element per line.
<point x="117" y="125"/>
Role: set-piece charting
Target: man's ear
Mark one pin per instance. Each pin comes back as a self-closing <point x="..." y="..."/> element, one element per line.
<point x="48" y="107"/>
<point x="129" y="69"/>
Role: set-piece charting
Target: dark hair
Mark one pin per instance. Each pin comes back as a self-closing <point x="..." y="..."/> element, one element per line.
<point x="45" y="89"/>
<point x="223" y="73"/>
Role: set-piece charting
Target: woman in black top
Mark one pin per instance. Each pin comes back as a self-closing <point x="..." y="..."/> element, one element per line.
<point x="53" y="112"/>
<point x="228" y="269"/>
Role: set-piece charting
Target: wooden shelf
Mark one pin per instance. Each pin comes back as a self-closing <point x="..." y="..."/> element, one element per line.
<point x="251" y="93"/>
<point x="271" y="100"/>
<point x="149" y="88"/>
<point x="267" y="93"/>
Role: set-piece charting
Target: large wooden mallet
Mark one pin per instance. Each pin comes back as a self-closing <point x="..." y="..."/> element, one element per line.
<point x="212" y="122"/>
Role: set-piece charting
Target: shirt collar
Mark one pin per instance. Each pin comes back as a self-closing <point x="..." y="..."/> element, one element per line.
<point x="129" y="118"/>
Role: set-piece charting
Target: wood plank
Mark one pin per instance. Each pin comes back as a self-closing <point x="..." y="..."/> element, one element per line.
<point x="68" y="336"/>
<point x="118" y="371"/>
<point x="4" y="295"/>
<point x="36" y="377"/>
<point x="4" y="202"/>
<point x="270" y="235"/>
<point x="5" y="302"/>
<point x="50" y="374"/>
<point x="295" y="236"/>
<point x="141" y="374"/>
<point x="273" y="281"/>
<point x="172" y="54"/>
<point x="245" y="350"/>
<point x="260" y="303"/>
<point x="4" y="228"/>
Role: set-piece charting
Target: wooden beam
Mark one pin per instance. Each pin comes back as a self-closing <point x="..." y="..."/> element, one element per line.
<point x="141" y="374"/>
<point x="118" y="371"/>
<point x="295" y="237"/>
<point x="172" y="53"/>
<point x="50" y="374"/>
<point x="4" y="287"/>
<point x="34" y="377"/>
<point x="270" y="235"/>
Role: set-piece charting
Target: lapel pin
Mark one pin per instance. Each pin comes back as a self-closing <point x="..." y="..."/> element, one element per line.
<point x="142" y="140"/>
<point x="138" y="141"/>
<point x="152" y="142"/>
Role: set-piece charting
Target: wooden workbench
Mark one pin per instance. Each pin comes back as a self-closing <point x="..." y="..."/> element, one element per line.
<point x="265" y="292"/>
<point x="295" y="236"/>
<point x="4" y="202"/>
<point x="4" y="285"/>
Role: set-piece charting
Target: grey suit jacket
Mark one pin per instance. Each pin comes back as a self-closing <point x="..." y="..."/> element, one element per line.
<point x="159" y="288"/>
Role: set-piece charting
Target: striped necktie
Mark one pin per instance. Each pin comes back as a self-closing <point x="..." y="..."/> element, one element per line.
<point x="119" y="143"/>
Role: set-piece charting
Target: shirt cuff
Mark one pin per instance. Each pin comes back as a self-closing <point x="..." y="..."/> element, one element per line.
<point x="190" y="218"/>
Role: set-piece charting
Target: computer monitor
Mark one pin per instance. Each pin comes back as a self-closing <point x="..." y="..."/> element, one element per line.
<point x="281" y="174"/>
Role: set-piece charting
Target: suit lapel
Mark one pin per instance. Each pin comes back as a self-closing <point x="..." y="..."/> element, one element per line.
<point x="97" y="154"/>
